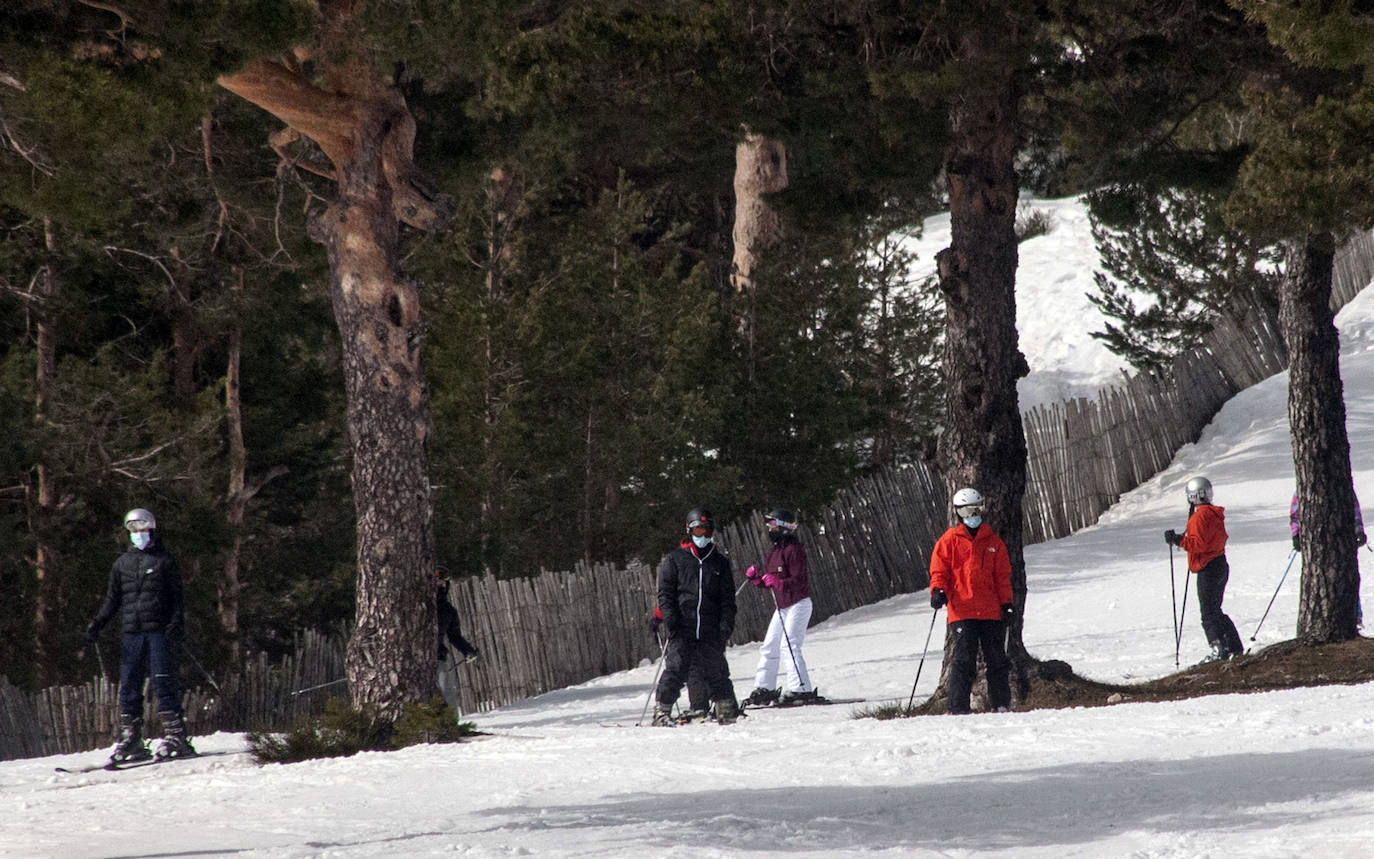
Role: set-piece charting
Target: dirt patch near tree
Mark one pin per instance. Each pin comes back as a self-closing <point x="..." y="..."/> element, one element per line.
<point x="1280" y="666"/>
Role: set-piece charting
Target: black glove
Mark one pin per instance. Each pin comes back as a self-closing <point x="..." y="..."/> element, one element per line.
<point x="1296" y="547"/>
<point x="1360" y="539"/>
<point x="1008" y="612"/>
<point x="91" y="633"/>
<point x="937" y="598"/>
<point x="1173" y="538"/>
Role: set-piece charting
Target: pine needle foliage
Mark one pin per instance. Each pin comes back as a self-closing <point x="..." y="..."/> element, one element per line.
<point x="344" y="730"/>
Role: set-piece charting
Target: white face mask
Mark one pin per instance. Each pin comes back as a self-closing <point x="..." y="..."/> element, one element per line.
<point x="703" y="542"/>
<point x="140" y="539"/>
<point x="973" y="521"/>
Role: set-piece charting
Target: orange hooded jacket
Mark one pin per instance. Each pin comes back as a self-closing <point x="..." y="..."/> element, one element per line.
<point x="974" y="571"/>
<point x="1205" y="538"/>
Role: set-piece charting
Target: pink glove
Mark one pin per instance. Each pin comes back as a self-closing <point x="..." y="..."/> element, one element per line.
<point x="771" y="581"/>
<point x="751" y="573"/>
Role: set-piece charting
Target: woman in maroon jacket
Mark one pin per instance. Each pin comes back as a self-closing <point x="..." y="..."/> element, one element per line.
<point x="784" y="574"/>
<point x="970" y="573"/>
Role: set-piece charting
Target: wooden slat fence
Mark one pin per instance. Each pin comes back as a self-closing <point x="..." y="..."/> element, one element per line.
<point x="1083" y="454"/>
<point x="63" y="719"/>
<point x="561" y="628"/>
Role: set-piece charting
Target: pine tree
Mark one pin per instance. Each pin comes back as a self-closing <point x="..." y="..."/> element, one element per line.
<point x="1308" y="183"/>
<point x="1171" y="267"/>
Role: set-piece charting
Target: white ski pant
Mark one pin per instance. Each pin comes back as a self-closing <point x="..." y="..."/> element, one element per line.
<point x="788" y="626"/>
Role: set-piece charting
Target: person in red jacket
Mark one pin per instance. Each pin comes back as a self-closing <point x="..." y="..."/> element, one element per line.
<point x="1205" y="542"/>
<point x="970" y="576"/>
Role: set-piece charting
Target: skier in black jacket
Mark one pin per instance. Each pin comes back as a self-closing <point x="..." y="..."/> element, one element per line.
<point x="145" y="589"/>
<point x="696" y="594"/>
<point x="450" y="633"/>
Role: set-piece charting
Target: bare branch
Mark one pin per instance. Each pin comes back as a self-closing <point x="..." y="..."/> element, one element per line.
<point x="124" y="19"/>
<point x="26" y="154"/>
<point x="12" y="81"/>
<point x="157" y="261"/>
<point x="253" y="489"/>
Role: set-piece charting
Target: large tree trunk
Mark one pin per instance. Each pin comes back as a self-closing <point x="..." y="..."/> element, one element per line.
<point x="760" y="169"/>
<point x="368" y="133"/>
<point x="391" y="653"/>
<point x="1321" y="448"/>
<point x="47" y="568"/>
<point x="983" y="444"/>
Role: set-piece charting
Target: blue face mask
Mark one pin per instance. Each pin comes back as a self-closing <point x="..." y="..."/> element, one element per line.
<point x="140" y="539"/>
<point x="973" y="521"/>
<point x="703" y="542"/>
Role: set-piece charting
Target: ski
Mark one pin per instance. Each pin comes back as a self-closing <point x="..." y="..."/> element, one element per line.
<point x="112" y="766"/>
<point x="812" y="702"/>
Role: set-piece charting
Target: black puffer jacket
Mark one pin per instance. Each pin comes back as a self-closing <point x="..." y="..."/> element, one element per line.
<point x="145" y="588"/>
<point x="696" y="593"/>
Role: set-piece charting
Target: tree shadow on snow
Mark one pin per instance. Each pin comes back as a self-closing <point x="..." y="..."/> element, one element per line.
<point x="1007" y="810"/>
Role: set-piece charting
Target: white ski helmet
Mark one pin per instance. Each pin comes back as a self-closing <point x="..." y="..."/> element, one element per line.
<point x="966" y="500"/>
<point x="139" y="519"/>
<point x="1199" y="491"/>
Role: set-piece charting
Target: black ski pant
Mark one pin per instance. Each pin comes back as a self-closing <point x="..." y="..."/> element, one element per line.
<point x="694" y="660"/>
<point x="147" y="653"/>
<point x="1211" y="589"/>
<point x="969" y="636"/>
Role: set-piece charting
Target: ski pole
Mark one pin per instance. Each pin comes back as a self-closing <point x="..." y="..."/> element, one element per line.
<point x="319" y="686"/>
<point x="1276" y="593"/>
<point x="457" y="682"/>
<point x="1179" y="639"/>
<point x="922" y="663"/>
<point x="1173" y="597"/>
<point x="782" y="621"/>
<point x="663" y="654"/>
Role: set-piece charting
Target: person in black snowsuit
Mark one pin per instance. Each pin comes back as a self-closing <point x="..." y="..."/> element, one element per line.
<point x="698" y="696"/>
<point x="145" y="590"/>
<point x="450" y="633"/>
<point x="696" y="594"/>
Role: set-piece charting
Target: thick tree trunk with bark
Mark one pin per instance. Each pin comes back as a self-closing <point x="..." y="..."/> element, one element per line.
<point x="43" y="507"/>
<point x="1321" y="448"/>
<point x="760" y="169"/>
<point x="368" y="133"/>
<point x="391" y="653"/>
<point x="983" y="444"/>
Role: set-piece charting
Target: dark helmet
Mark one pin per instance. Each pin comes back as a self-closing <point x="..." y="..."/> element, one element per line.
<point x="782" y="519"/>
<point x="700" y="517"/>
<point x="441" y="572"/>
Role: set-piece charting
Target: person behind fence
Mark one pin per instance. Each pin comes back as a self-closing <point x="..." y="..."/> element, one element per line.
<point x="450" y="634"/>
<point x="1204" y="540"/>
<point x="696" y="594"/>
<point x="784" y="574"/>
<point x="1360" y="539"/>
<point x="970" y="577"/>
<point x="145" y="590"/>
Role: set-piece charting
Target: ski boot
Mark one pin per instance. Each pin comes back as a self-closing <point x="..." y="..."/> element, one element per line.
<point x="797" y="698"/>
<point x="724" y="711"/>
<point x="174" y="743"/>
<point x="663" y="717"/>
<point x="762" y="697"/>
<point x="130" y="746"/>
<point x="1218" y="654"/>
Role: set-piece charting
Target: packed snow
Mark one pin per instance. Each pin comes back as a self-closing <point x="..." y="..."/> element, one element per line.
<point x="1280" y="774"/>
<point x="1054" y="272"/>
